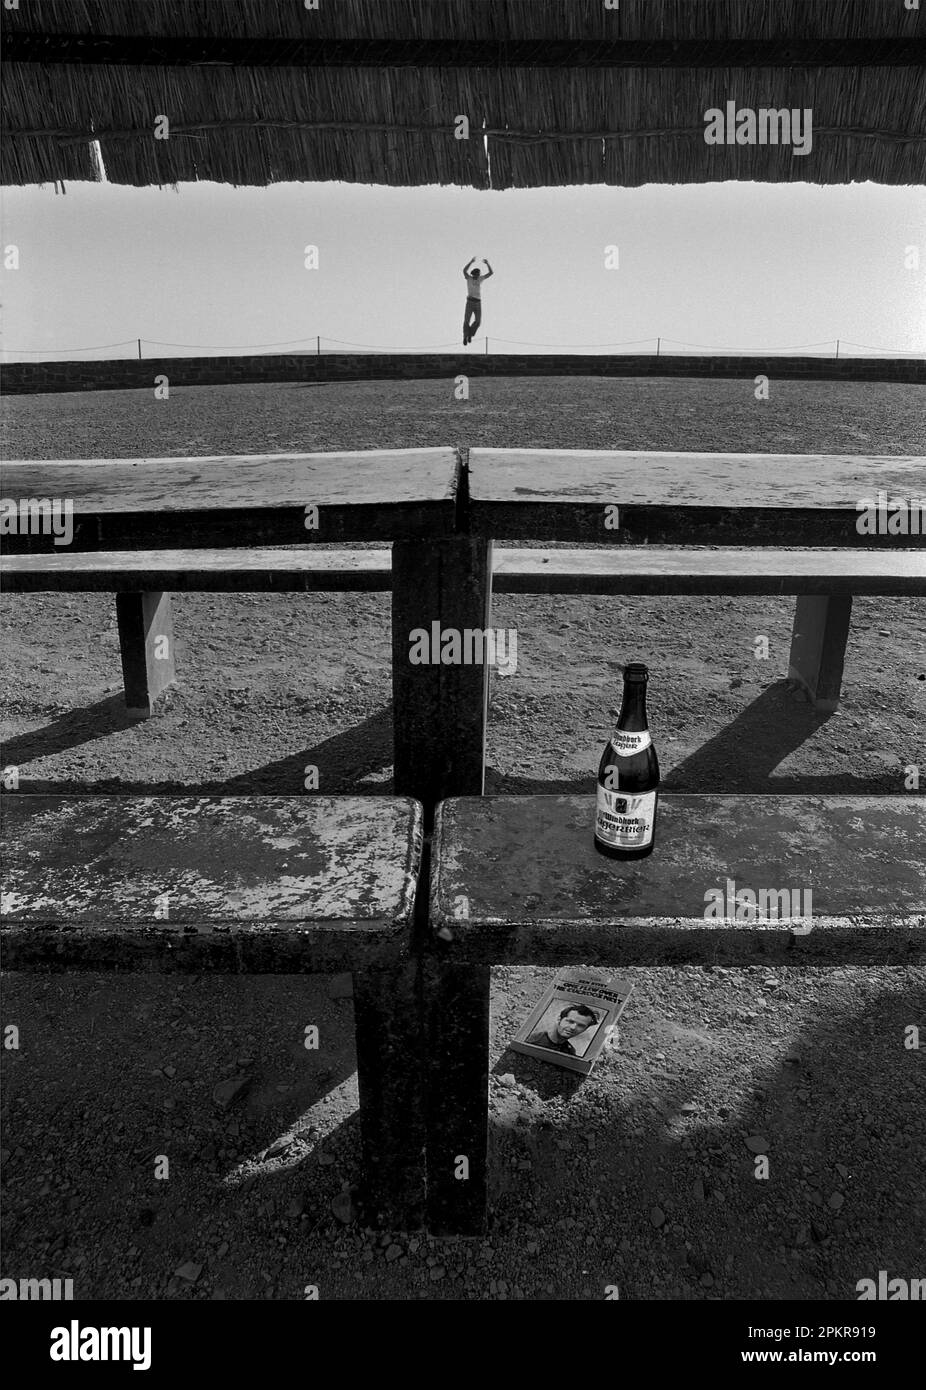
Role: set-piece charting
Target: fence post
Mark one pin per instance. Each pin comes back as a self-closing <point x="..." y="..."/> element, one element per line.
<point x="487" y="347"/>
<point x="837" y="347"/>
<point x="139" y="349"/>
<point x="658" y="345"/>
<point x="318" y="345"/>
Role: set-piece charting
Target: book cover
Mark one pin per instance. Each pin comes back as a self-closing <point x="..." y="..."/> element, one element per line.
<point x="574" y="1019"/>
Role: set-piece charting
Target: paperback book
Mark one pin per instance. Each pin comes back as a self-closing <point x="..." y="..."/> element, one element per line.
<point x="574" y="1020"/>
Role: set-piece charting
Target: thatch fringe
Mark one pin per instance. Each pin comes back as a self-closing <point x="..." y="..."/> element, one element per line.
<point x="545" y="127"/>
<point x="253" y="125"/>
<point x="38" y="158"/>
<point x="862" y="101"/>
<point x="499" y="19"/>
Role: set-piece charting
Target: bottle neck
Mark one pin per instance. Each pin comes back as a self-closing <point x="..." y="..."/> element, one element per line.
<point x="633" y="708"/>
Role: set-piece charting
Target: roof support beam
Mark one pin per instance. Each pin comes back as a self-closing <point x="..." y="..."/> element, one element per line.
<point x="203" y="50"/>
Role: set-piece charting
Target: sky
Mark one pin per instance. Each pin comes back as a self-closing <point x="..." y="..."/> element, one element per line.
<point x="207" y="268"/>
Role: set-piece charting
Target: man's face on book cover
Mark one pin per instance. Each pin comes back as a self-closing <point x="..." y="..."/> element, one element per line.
<point x="572" y="1024"/>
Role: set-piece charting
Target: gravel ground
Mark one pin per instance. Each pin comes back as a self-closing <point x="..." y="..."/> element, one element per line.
<point x="638" y="1176"/>
<point x="515" y="412"/>
<point x="596" y="1182"/>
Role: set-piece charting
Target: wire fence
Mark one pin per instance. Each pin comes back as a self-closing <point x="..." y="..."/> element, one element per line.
<point x="317" y="344"/>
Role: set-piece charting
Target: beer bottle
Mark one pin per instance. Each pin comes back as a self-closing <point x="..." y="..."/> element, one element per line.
<point x="628" y="777"/>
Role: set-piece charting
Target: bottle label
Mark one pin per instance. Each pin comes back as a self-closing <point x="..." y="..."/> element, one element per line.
<point x="625" y="743"/>
<point x="625" y="820"/>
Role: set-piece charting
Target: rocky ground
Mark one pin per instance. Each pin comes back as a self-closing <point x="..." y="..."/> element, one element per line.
<point x="640" y="1176"/>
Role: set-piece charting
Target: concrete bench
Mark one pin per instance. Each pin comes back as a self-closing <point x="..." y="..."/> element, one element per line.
<point x="515" y="570"/>
<point x="440" y="712"/>
<point x="229" y="514"/>
<point x="517" y="880"/>
<point x="623" y="498"/>
<point x="142" y="527"/>
<point x="241" y="884"/>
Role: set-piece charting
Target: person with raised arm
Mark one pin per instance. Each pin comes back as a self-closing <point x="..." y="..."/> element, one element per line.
<point x="472" y="316"/>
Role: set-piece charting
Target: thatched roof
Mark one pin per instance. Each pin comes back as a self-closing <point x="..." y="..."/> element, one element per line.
<point x="556" y="91"/>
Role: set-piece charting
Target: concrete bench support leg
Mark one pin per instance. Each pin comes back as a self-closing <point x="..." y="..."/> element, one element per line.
<point x="439" y="708"/>
<point x="458" y="1096"/>
<point x="146" y="643"/>
<point x="390" y="1046"/>
<point x="818" y="646"/>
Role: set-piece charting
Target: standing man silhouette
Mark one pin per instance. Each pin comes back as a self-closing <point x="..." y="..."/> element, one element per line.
<point x="473" y="314"/>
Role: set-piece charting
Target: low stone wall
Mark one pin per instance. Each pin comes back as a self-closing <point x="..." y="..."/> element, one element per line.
<point x="18" y="378"/>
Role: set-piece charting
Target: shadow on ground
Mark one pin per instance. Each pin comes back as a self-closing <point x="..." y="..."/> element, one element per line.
<point x="343" y="761"/>
<point x="741" y="758"/>
<point x="578" y="1166"/>
<point x="675" y="1200"/>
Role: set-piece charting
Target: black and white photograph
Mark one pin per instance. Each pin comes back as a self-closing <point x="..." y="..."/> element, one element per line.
<point x="462" y="537"/>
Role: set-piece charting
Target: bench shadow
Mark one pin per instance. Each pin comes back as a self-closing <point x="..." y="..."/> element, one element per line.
<point x="742" y="757"/>
<point x="343" y="761"/>
<point x="545" y="1079"/>
<point x="226" y="1160"/>
<point x="851" y="1098"/>
<point x="70" y="730"/>
<point x="279" y="1132"/>
<point x="745" y="753"/>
